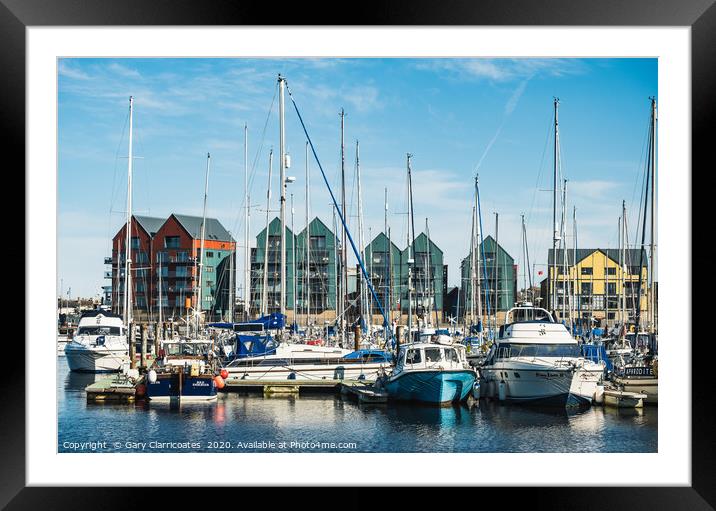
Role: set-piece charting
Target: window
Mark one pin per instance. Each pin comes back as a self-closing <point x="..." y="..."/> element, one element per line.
<point x="586" y="288"/>
<point x="181" y="271"/>
<point x="432" y="355"/>
<point x="413" y="357"/>
<point x="610" y="271"/>
<point x="451" y="355"/>
<point x="171" y="241"/>
<point x="210" y="254"/>
<point x="586" y="270"/>
<point x="612" y="288"/>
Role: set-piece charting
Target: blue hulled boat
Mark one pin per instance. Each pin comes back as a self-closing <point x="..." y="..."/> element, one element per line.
<point x="183" y="372"/>
<point x="431" y="372"/>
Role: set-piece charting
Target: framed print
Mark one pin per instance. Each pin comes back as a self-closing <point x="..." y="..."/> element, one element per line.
<point x="421" y="250"/>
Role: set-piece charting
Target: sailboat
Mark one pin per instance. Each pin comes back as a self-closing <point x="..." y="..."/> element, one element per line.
<point x="101" y="343"/>
<point x="430" y="368"/>
<point x="184" y="369"/>
<point x="638" y="372"/>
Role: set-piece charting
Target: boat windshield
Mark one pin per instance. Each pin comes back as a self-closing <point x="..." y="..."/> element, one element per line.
<point x="538" y="350"/>
<point x="98" y="330"/>
<point x="186" y="349"/>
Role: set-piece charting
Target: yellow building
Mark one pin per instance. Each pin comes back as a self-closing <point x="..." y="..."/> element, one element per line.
<point x="599" y="284"/>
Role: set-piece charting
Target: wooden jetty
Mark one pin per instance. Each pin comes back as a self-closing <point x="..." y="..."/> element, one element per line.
<point x="365" y="392"/>
<point x="116" y="388"/>
<point x="277" y="387"/>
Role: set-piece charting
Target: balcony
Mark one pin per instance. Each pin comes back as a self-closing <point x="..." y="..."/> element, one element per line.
<point x="108" y="275"/>
<point x="108" y="260"/>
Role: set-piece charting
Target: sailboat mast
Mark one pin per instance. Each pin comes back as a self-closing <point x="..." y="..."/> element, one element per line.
<point x="555" y="237"/>
<point x="128" y="241"/>
<point x="264" y="297"/>
<point x="203" y="232"/>
<point x="293" y="263"/>
<point x="477" y="294"/>
<point x="563" y="244"/>
<point x="344" y="253"/>
<point x="307" y="264"/>
<point x="652" y="245"/>
<point x="247" y="230"/>
<point x="161" y="319"/>
<point x="496" y="263"/>
<point x="472" y="268"/>
<point x="387" y="261"/>
<point x="623" y="261"/>
<point x="361" y="242"/>
<point x="410" y="257"/>
<point x="282" y="167"/>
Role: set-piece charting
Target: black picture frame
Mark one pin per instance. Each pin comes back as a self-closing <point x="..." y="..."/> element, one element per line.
<point x="700" y="15"/>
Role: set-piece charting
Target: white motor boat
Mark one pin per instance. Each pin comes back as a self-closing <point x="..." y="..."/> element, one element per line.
<point x="99" y="345"/>
<point x="535" y="360"/>
<point x="294" y="361"/>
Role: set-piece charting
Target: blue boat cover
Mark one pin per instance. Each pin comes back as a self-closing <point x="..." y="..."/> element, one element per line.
<point x="254" y="345"/>
<point x="596" y="353"/>
<point x="376" y="354"/>
<point x="274" y="321"/>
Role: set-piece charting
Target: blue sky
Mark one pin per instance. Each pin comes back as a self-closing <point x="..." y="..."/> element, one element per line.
<point x="451" y="114"/>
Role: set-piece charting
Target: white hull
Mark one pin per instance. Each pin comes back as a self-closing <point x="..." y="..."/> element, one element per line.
<point x="622" y="399"/>
<point x="585" y="382"/>
<point x="524" y="382"/>
<point x="94" y="359"/>
<point x="307" y="372"/>
<point x="183" y="399"/>
<point x="647" y="386"/>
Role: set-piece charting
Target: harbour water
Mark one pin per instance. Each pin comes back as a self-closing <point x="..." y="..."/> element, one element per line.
<point x="334" y="423"/>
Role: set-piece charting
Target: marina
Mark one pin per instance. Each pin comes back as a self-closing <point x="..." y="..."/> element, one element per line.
<point x="250" y="422"/>
<point x="330" y="331"/>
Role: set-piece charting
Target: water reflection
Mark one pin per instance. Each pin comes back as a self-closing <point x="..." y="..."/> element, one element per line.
<point x="481" y="426"/>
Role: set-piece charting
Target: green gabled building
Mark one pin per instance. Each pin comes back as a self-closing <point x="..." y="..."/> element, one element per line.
<point x="501" y="283"/>
<point x="429" y="277"/>
<point x="323" y="266"/>
<point x="384" y="266"/>
<point x="274" y="269"/>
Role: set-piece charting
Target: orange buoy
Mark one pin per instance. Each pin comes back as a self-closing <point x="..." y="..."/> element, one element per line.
<point x="141" y="390"/>
<point x="224" y="373"/>
<point x="219" y="382"/>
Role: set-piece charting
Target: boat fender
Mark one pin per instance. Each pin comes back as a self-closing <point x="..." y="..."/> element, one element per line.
<point x="224" y="374"/>
<point x="219" y="382"/>
<point x="141" y="390"/>
<point x="502" y="390"/>
<point x="476" y="390"/>
<point x="152" y="376"/>
<point x="599" y="395"/>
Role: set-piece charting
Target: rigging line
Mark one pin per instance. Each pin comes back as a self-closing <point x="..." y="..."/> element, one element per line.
<point x="113" y="190"/>
<point x="541" y="165"/>
<point x="348" y="235"/>
<point x="238" y="222"/>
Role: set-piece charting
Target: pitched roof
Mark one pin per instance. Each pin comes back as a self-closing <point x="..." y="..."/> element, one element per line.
<point x="213" y="231"/>
<point x="632" y="255"/>
<point x="151" y="224"/>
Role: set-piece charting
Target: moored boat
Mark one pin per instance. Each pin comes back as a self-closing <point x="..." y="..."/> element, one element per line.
<point x="100" y="344"/>
<point x="430" y="372"/>
<point x="183" y="373"/>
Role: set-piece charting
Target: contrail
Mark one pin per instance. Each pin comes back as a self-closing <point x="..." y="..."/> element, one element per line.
<point x="509" y="108"/>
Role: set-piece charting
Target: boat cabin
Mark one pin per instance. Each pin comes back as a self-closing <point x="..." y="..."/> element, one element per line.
<point x="430" y="356"/>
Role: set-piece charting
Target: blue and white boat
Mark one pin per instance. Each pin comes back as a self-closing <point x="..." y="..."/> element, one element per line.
<point x="431" y="372"/>
<point x="184" y="373"/>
